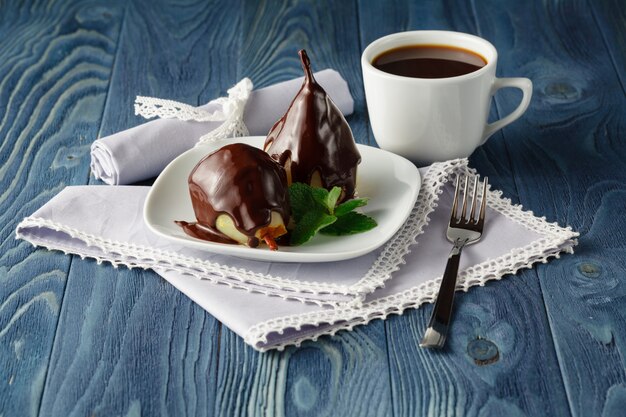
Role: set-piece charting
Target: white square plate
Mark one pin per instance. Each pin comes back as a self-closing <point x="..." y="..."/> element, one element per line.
<point x="389" y="181"/>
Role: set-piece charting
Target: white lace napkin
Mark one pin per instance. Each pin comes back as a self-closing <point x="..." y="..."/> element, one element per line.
<point x="106" y="223"/>
<point x="142" y="152"/>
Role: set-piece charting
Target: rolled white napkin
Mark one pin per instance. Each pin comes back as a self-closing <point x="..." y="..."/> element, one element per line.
<point x="143" y="151"/>
<point x="106" y="223"/>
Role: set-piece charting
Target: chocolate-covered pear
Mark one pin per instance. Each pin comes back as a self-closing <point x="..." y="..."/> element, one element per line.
<point x="239" y="195"/>
<point x="313" y="141"/>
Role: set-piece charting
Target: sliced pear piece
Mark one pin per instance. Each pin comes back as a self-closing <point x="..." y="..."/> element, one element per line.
<point x="225" y="225"/>
<point x="316" y="179"/>
<point x="287" y="167"/>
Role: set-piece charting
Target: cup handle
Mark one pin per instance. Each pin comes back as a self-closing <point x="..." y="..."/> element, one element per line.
<point x="523" y="84"/>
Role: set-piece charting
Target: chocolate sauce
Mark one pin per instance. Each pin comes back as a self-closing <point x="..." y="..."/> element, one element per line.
<point x="241" y="181"/>
<point x="316" y="137"/>
<point x="200" y="231"/>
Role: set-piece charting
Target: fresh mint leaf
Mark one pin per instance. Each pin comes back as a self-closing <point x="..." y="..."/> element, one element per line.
<point x="349" y="224"/>
<point x="349" y="205"/>
<point x="320" y="195"/>
<point x="315" y="209"/>
<point x="331" y="199"/>
<point x="302" y="201"/>
<point x="309" y="225"/>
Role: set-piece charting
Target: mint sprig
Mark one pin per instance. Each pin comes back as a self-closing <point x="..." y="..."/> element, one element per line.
<point x="311" y="223"/>
<point x="316" y="210"/>
<point x="349" y="224"/>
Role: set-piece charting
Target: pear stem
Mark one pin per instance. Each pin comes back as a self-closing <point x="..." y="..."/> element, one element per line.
<point x="269" y="240"/>
<point x="306" y="66"/>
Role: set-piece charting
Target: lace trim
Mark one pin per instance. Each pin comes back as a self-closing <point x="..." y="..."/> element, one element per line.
<point x="556" y="239"/>
<point x="347" y="319"/>
<point x="230" y="112"/>
<point x="137" y="256"/>
<point x="436" y="177"/>
<point x="399" y="246"/>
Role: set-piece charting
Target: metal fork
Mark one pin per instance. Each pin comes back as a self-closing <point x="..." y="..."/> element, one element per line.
<point x="463" y="229"/>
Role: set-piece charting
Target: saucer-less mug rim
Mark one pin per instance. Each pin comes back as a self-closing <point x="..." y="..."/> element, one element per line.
<point x="467" y="41"/>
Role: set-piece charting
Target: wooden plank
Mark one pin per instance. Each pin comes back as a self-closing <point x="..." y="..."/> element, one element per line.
<point x="568" y="163"/>
<point x="610" y="17"/>
<point x="345" y="375"/>
<point x="127" y="342"/>
<point x="500" y="359"/>
<point x="55" y="64"/>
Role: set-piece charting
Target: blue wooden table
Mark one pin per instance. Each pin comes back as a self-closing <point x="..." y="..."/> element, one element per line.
<point x="81" y="339"/>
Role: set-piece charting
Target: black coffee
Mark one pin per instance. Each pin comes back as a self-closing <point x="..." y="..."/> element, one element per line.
<point x="429" y="61"/>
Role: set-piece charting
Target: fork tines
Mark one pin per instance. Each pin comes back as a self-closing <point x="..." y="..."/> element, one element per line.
<point x="464" y="216"/>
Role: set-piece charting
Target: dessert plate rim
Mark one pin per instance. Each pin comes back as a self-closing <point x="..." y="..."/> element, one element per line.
<point x="390" y="181"/>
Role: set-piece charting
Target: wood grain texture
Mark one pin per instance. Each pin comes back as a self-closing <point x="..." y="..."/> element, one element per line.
<point x="610" y="17"/>
<point x="570" y="167"/>
<point x="521" y="375"/>
<point x="343" y="375"/>
<point x="77" y="338"/>
<point x="185" y="51"/>
<point x="55" y="63"/>
<point x="127" y="342"/>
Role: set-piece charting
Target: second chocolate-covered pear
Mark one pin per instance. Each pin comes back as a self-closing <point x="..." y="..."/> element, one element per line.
<point x="313" y="141"/>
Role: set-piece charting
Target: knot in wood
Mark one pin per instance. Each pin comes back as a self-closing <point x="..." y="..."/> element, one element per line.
<point x="590" y="269"/>
<point x="562" y="91"/>
<point x="483" y="351"/>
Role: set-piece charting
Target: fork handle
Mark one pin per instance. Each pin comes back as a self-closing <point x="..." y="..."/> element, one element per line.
<point x="435" y="335"/>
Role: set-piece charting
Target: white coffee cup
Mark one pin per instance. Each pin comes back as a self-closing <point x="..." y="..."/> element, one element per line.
<point x="435" y="119"/>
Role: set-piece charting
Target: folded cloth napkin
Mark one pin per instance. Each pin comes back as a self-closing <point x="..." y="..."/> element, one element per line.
<point x="106" y="223"/>
<point x="142" y="152"/>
